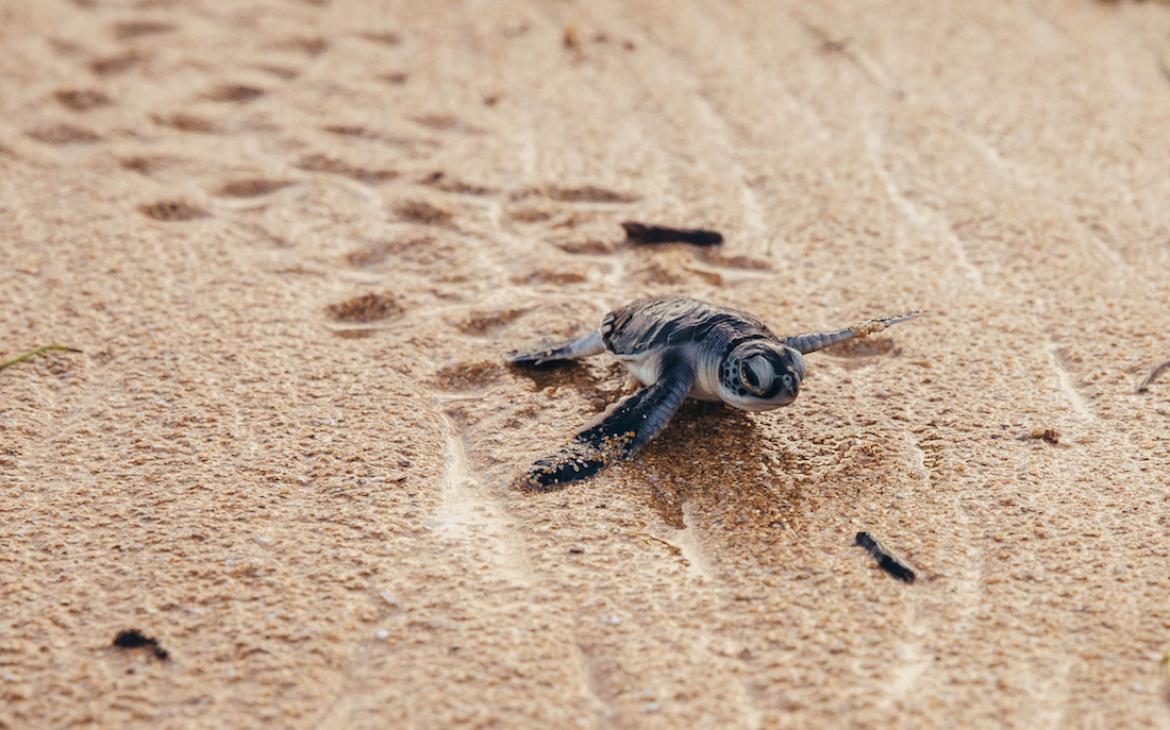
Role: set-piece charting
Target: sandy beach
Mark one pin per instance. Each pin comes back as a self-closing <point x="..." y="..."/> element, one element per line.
<point x="294" y="238"/>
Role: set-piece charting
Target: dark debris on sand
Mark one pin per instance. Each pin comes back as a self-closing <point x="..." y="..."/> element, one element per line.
<point x="884" y="560"/>
<point x="135" y="639"/>
<point x="652" y="234"/>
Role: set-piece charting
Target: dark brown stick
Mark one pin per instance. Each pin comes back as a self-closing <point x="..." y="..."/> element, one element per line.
<point x="648" y="234"/>
<point x="884" y="560"/>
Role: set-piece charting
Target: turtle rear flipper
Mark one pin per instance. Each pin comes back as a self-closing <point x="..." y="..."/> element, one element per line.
<point x="618" y="433"/>
<point x="586" y="345"/>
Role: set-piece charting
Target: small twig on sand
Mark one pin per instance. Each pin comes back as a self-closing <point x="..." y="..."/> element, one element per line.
<point x="33" y="353"/>
<point x="1158" y="370"/>
<point x="885" y="561"/>
<point x="642" y="233"/>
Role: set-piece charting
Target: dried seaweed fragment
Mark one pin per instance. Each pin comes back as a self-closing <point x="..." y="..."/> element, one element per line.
<point x="884" y="560"/>
<point x="134" y="639"/>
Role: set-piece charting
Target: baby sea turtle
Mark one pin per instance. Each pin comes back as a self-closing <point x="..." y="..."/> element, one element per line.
<point x="678" y="347"/>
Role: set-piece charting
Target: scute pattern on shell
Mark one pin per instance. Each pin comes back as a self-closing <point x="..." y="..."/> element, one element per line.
<point x="674" y="321"/>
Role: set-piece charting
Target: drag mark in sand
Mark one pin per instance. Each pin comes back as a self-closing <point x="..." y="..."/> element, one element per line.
<point x="687" y="541"/>
<point x="753" y="213"/>
<point x="969" y="584"/>
<point x="470" y="516"/>
<point x="1019" y="176"/>
<point x="911" y="665"/>
<point x="926" y="223"/>
<point x="1064" y="380"/>
<point x="991" y="153"/>
<point x="912" y="660"/>
<point x="861" y="60"/>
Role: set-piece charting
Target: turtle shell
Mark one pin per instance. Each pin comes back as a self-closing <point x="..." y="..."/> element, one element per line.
<point x="661" y="322"/>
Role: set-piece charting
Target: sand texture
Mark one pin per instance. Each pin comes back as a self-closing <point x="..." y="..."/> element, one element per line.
<point x="293" y="239"/>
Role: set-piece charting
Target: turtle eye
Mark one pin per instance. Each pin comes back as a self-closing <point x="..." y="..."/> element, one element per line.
<point x="756" y="374"/>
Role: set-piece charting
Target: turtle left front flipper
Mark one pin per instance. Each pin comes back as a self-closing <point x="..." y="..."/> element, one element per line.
<point x="618" y="433"/>
<point x="814" y="341"/>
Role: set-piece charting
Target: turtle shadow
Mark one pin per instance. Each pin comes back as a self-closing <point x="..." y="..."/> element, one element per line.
<point x="712" y="459"/>
<point x="599" y="385"/>
<point x="717" y="459"/>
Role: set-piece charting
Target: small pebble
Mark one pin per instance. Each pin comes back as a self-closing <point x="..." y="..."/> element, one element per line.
<point x="382" y="634"/>
<point x="611" y="620"/>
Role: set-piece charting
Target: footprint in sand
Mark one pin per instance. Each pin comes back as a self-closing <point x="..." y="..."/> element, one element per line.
<point x="589" y="194"/>
<point x="424" y="213"/>
<point x="586" y="247"/>
<point x="558" y="277"/>
<point x="416" y="252"/>
<point x="81" y="100"/>
<point x="116" y="64"/>
<point x="251" y="187"/>
<point x="357" y="131"/>
<point x="446" y="123"/>
<point x="486" y="323"/>
<point x="385" y="38"/>
<point x="185" y="122"/>
<point x="530" y="215"/>
<point x="468" y="375"/>
<point x="364" y="309"/>
<point x="284" y="73"/>
<point x="62" y="134"/>
<point x="363" y="314"/>
<point x="145" y="164"/>
<point x="334" y="166"/>
<point x="439" y="180"/>
<point x="132" y="29"/>
<point x="172" y="210"/>
<point x="234" y="93"/>
<point x="312" y="46"/>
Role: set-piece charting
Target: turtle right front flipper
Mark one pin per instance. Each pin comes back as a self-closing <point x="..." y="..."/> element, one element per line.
<point x="618" y="433"/>
<point x="586" y="345"/>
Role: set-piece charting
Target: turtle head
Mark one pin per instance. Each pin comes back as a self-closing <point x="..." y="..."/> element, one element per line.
<point x="760" y="375"/>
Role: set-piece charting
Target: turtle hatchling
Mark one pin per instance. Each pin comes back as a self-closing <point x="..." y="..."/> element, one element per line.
<point x="679" y="348"/>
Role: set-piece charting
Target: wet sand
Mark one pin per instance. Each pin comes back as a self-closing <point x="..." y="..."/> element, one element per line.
<point x="293" y="239"/>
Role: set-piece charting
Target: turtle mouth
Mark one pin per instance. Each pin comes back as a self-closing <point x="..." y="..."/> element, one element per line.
<point x="789" y="385"/>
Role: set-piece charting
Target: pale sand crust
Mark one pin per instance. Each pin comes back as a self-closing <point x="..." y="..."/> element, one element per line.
<point x="309" y="506"/>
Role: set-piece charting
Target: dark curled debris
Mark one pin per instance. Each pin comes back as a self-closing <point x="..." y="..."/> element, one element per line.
<point x="134" y="639"/>
<point x="1158" y="370"/>
<point x="642" y="233"/>
<point x="884" y="560"/>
